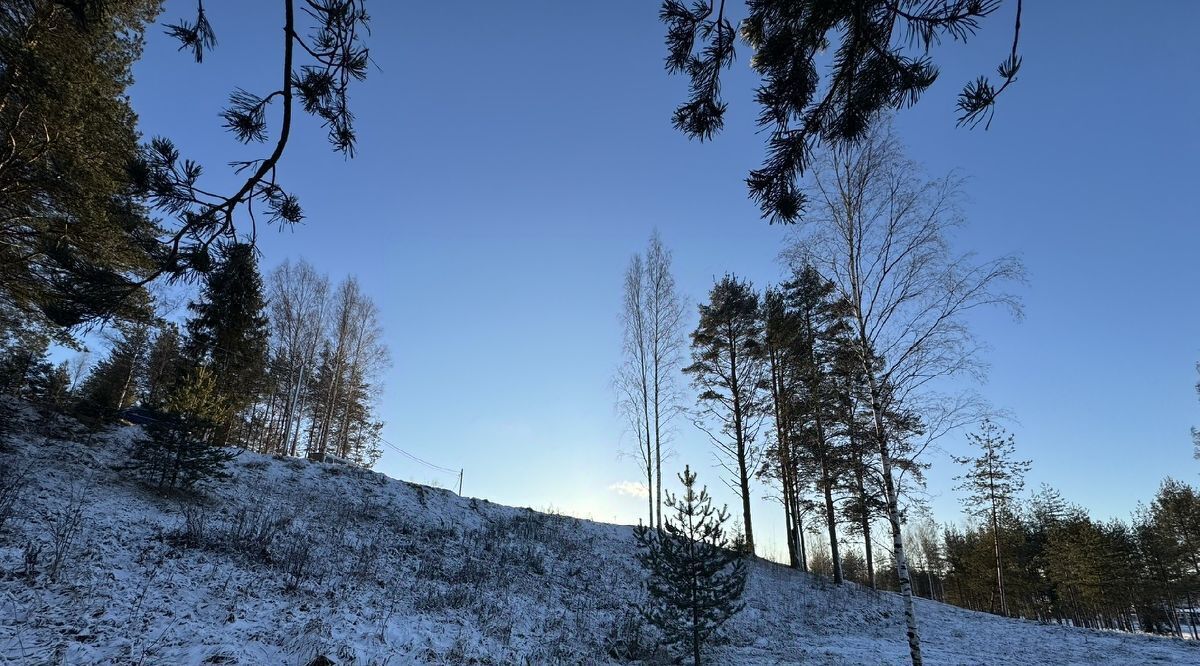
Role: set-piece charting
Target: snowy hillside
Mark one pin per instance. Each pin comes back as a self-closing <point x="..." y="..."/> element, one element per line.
<point x="291" y="560"/>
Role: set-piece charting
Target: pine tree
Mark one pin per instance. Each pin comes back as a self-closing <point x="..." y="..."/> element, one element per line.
<point x="781" y="463"/>
<point x="177" y="451"/>
<point x="114" y="383"/>
<point x="727" y="369"/>
<point x="993" y="480"/>
<point x="228" y="333"/>
<point x="74" y="239"/>
<point x="820" y="339"/>
<point x="878" y="56"/>
<point x="23" y="362"/>
<point x="695" y="579"/>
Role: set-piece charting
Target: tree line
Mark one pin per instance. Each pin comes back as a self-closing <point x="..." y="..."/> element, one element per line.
<point x="826" y="388"/>
<point x="290" y="365"/>
<point x="1042" y="557"/>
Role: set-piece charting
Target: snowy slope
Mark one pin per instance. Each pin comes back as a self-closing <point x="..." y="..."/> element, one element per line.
<point x="288" y="560"/>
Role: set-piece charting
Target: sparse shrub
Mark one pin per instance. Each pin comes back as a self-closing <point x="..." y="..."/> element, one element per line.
<point x="253" y="530"/>
<point x="13" y="482"/>
<point x="626" y="638"/>
<point x="194" y="531"/>
<point x="296" y="560"/>
<point x="438" y="598"/>
<point x="64" y="529"/>
<point x="33" y="551"/>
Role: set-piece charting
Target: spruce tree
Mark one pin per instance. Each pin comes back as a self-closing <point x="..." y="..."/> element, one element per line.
<point x="228" y="334"/>
<point x="993" y="480"/>
<point x="728" y="371"/>
<point x="695" y="579"/>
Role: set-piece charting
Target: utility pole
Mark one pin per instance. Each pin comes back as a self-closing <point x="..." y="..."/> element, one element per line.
<point x="460" y="475"/>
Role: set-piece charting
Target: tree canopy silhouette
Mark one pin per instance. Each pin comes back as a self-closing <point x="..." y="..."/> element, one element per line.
<point x="878" y="52"/>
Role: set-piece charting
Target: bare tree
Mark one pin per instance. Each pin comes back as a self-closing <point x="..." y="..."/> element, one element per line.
<point x="633" y="379"/>
<point x="880" y="232"/>
<point x="298" y="299"/>
<point x="77" y="367"/>
<point x="664" y="320"/>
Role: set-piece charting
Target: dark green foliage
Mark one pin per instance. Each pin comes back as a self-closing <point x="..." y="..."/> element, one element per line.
<point x="24" y="369"/>
<point x="1062" y="565"/>
<point x="728" y="371"/>
<point x="819" y="339"/>
<point x="179" y="451"/>
<point x="228" y="334"/>
<point x="74" y="241"/>
<point x="880" y="61"/>
<point x="165" y="365"/>
<point x="115" y="382"/>
<point x="695" y="579"/>
<point x="175" y="455"/>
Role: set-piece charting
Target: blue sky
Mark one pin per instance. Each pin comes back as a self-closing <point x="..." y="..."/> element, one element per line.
<point x="513" y="156"/>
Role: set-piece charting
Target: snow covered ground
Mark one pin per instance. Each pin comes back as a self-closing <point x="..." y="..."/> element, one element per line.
<point x="288" y="560"/>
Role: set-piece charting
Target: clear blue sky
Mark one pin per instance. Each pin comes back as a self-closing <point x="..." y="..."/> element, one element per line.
<point x="513" y="156"/>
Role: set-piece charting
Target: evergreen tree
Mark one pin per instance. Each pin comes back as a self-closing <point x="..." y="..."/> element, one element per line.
<point x="877" y="53"/>
<point x="165" y="365"/>
<point x="727" y="368"/>
<point x="177" y="451"/>
<point x="23" y="365"/>
<point x="993" y="480"/>
<point x="74" y="241"/>
<point x="695" y="579"/>
<point x="781" y="352"/>
<point x="228" y="333"/>
<point x="114" y="383"/>
<point x="820" y="338"/>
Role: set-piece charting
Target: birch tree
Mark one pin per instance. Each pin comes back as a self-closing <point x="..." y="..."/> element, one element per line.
<point x="298" y="296"/>
<point x="652" y="344"/>
<point x="633" y="376"/>
<point x="881" y="233"/>
<point x="665" y="322"/>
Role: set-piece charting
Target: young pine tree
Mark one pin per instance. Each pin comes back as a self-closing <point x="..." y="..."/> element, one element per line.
<point x="992" y="481"/>
<point x="696" y="580"/>
<point x="177" y="452"/>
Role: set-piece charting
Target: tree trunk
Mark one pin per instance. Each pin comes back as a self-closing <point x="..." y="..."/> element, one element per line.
<point x="866" y="525"/>
<point x="893" y="508"/>
<point x="740" y="436"/>
<point x="831" y="522"/>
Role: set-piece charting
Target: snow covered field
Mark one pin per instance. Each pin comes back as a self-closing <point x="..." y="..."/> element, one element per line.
<point x="289" y="560"/>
